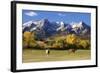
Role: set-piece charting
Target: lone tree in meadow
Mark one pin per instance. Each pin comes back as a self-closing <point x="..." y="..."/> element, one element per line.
<point x="72" y="41"/>
<point x="29" y="39"/>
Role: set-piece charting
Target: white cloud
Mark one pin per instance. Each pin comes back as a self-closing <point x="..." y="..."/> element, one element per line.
<point x="31" y="13"/>
<point x="60" y="14"/>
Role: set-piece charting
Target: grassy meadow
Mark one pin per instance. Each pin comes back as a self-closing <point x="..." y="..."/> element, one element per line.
<point x="30" y="55"/>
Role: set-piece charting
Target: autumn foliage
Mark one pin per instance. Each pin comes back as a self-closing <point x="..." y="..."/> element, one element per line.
<point x="68" y="41"/>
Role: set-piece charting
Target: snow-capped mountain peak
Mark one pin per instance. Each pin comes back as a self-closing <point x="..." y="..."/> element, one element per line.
<point x="27" y="24"/>
<point x="77" y="25"/>
<point x="50" y="28"/>
<point x="37" y="24"/>
<point x="62" y="27"/>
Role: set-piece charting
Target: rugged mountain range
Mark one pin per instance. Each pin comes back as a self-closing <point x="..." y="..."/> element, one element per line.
<point x="45" y="28"/>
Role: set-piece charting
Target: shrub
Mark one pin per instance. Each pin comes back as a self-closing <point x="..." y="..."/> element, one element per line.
<point x="84" y="44"/>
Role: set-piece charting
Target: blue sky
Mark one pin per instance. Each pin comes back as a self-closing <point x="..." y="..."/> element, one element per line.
<point x="54" y="16"/>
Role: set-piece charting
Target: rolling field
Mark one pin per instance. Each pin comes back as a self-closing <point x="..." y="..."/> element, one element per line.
<point x="30" y="55"/>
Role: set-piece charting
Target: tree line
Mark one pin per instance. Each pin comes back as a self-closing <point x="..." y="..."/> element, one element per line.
<point x="59" y="42"/>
